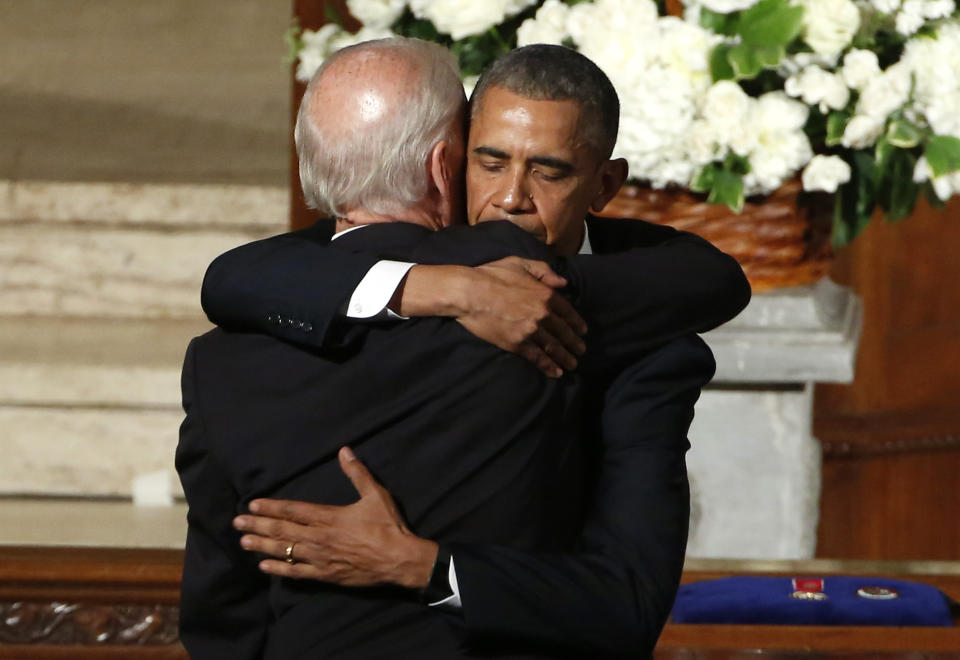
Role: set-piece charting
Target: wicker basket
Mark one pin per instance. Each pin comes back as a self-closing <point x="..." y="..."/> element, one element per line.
<point x="782" y="239"/>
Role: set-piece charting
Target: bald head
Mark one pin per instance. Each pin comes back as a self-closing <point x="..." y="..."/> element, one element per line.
<point x="362" y="88"/>
<point x="368" y="121"/>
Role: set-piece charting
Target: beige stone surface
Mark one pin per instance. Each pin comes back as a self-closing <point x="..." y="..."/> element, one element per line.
<point x="130" y="204"/>
<point x="93" y="362"/>
<point x="79" y="451"/>
<point x="138" y="90"/>
<point x="98" y="523"/>
<point x="112" y="272"/>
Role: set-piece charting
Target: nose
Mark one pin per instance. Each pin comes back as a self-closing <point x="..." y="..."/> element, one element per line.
<point x="514" y="196"/>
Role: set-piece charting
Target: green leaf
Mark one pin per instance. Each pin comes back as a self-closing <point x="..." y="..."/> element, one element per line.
<point x="704" y="180"/>
<point x="904" y="134"/>
<point x="898" y="192"/>
<point x="855" y="201"/>
<point x="720" y="68"/>
<point x="736" y="164"/>
<point x="332" y="15"/>
<point x="422" y="29"/>
<point x="836" y="124"/>
<point x="770" y="23"/>
<point x="727" y="189"/>
<point x="717" y="22"/>
<point x="943" y="154"/>
<point x="882" y="153"/>
<point x="747" y="61"/>
<point x="294" y="42"/>
<point x="476" y="53"/>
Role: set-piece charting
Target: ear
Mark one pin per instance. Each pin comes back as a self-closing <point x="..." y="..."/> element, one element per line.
<point x="441" y="176"/>
<point x="613" y="174"/>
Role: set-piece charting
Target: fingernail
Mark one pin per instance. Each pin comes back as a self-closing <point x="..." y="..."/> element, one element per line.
<point x="246" y="541"/>
<point x="348" y="454"/>
<point x="255" y="506"/>
<point x="240" y="523"/>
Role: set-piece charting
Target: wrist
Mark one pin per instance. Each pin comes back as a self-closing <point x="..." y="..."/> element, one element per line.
<point x="434" y="291"/>
<point x="419" y="563"/>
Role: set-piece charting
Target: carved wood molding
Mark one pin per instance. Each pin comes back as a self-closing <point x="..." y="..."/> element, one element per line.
<point x="870" y="434"/>
<point x="76" y="623"/>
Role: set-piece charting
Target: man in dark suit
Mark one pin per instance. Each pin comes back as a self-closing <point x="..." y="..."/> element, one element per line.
<point x="507" y="478"/>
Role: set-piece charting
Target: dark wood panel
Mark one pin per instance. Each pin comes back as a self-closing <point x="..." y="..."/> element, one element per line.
<point x="892" y="439"/>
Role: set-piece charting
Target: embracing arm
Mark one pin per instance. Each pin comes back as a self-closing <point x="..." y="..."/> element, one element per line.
<point x="613" y="596"/>
<point x="610" y="598"/>
<point x="223" y="608"/>
<point x="654" y="285"/>
<point x="292" y="286"/>
<point x="296" y="287"/>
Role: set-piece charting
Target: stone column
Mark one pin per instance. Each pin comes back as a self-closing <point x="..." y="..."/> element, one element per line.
<point x="754" y="465"/>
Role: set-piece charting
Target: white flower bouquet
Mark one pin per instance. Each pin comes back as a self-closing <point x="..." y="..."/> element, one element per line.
<point x="860" y="98"/>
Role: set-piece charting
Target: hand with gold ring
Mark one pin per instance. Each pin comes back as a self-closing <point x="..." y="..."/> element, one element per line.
<point x="362" y="544"/>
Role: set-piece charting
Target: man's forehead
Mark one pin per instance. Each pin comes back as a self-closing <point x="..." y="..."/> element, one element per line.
<point x="503" y="114"/>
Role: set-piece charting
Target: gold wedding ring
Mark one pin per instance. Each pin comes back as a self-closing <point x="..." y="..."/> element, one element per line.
<point x="288" y="554"/>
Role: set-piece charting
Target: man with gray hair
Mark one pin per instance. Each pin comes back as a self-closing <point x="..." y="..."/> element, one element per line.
<point x="477" y="446"/>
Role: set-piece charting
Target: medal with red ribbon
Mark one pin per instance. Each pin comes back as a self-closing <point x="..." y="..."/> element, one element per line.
<point x="808" y="589"/>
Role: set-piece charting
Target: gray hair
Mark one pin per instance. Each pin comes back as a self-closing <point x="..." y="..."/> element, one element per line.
<point x="383" y="169"/>
<point x="545" y="72"/>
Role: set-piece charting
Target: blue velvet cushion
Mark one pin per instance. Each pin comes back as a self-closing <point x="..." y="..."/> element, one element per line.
<point x="768" y="600"/>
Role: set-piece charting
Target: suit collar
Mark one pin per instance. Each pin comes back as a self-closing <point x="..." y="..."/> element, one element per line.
<point x="380" y="236"/>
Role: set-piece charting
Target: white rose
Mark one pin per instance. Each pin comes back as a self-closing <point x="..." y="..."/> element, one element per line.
<point x="781" y="147"/>
<point x="704" y="144"/>
<point x="859" y="68"/>
<point x="727" y="6"/>
<point x="794" y="64"/>
<point x="549" y="26"/>
<point x="886" y="6"/>
<point x="726" y="105"/>
<point x="862" y="131"/>
<point x="825" y="173"/>
<point x="943" y="114"/>
<point x="463" y="19"/>
<point x="934" y="64"/>
<point x="316" y="48"/>
<point x="376" y="13"/>
<point x="726" y="109"/>
<point x="816" y="86"/>
<point x="829" y="25"/>
<point x="885" y="93"/>
<point x="910" y="18"/>
<point x="591" y="24"/>
<point x="344" y="39"/>
<point x="944" y="187"/>
<point x="933" y="9"/>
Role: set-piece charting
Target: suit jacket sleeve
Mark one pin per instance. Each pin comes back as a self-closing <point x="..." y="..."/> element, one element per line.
<point x="668" y="283"/>
<point x="223" y="608"/>
<point x="653" y="284"/>
<point x="612" y="597"/>
<point x="291" y="286"/>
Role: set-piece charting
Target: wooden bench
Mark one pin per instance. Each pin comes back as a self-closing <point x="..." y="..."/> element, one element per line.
<point x="85" y="603"/>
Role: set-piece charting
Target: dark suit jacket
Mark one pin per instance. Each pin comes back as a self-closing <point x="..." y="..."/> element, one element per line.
<point x="613" y="596"/>
<point x="292" y="287"/>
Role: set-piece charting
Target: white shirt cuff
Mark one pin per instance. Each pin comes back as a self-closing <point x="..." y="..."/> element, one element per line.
<point x="451" y="602"/>
<point x="371" y="297"/>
